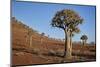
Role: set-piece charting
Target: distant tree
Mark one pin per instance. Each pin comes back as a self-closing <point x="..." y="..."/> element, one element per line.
<point x="84" y="39"/>
<point x="13" y="19"/>
<point x="42" y="34"/>
<point x="68" y="20"/>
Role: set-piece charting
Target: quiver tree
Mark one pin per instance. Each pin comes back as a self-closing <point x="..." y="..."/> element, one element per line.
<point x="84" y="39"/>
<point x="42" y="34"/>
<point x="68" y="20"/>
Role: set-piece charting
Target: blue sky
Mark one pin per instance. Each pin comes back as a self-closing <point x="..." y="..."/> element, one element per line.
<point x="39" y="16"/>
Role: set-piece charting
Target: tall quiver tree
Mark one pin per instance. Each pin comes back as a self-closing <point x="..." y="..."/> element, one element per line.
<point x="84" y="39"/>
<point x="68" y="20"/>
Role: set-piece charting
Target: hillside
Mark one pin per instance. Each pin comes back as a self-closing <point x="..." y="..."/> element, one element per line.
<point x="30" y="47"/>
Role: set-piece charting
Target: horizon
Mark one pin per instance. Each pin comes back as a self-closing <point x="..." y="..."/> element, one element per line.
<point x="20" y="10"/>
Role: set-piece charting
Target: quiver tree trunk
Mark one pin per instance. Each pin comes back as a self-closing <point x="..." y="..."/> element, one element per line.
<point x="84" y="42"/>
<point x="68" y="48"/>
<point x="70" y="44"/>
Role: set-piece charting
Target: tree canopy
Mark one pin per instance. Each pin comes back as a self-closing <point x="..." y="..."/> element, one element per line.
<point x="84" y="37"/>
<point x="67" y="19"/>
